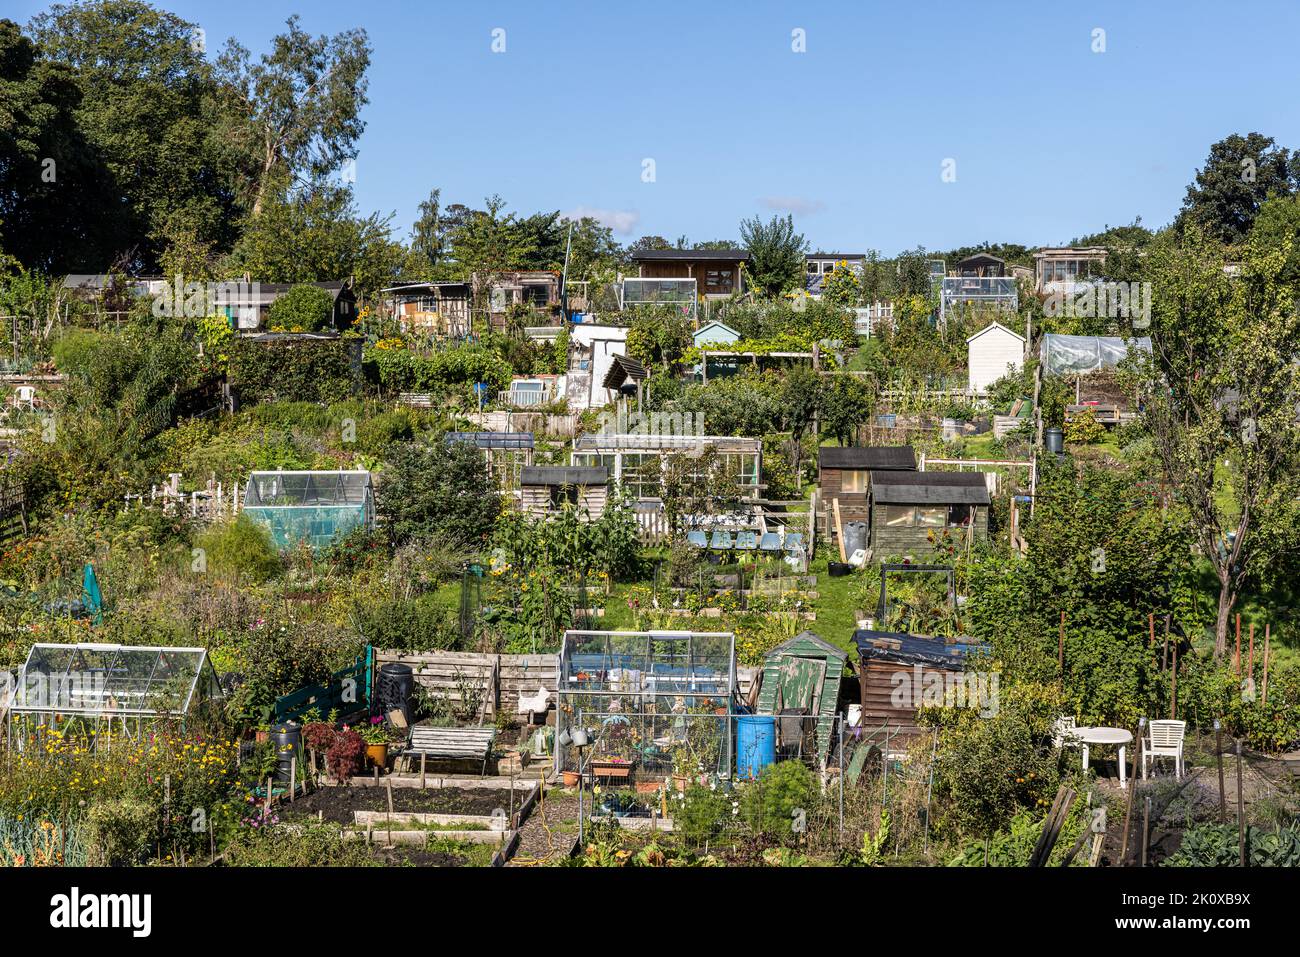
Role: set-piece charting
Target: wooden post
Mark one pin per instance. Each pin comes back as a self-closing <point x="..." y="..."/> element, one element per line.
<point x="1151" y="629"/>
<point x="1132" y="789"/>
<point x="388" y="782"/>
<point x="1267" y="626"/>
<point x="1146" y="830"/>
<point x="423" y="758"/>
<point x="1218" y="753"/>
<point x="1241" y="811"/>
<point x="1173" y="691"/>
<point x="1250" y="654"/>
<point x="293" y="777"/>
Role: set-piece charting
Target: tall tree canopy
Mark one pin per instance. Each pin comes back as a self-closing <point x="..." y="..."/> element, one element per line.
<point x="1239" y="175"/>
<point x="776" y="253"/>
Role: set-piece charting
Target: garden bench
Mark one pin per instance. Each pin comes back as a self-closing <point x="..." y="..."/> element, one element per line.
<point x="463" y="744"/>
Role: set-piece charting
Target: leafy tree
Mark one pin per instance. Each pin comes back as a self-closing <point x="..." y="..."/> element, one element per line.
<point x="776" y="254"/>
<point x="1221" y="400"/>
<point x="317" y="235"/>
<point x="843" y="287"/>
<point x="801" y="396"/>
<point x="305" y="308"/>
<point x="437" y="491"/>
<point x="428" y="239"/>
<point x="302" y="103"/>
<point x="145" y="87"/>
<point x="846" y="404"/>
<point x="1239" y="175"/>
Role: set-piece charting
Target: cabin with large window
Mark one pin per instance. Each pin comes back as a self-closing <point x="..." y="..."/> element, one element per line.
<point x="906" y="508"/>
<point x="716" y="271"/>
<point x="547" y="489"/>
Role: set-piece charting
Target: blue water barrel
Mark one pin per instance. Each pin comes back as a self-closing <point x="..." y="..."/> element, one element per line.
<point x="755" y="744"/>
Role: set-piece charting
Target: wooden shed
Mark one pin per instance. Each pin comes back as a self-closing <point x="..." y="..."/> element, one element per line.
<point x="804" y="674"/>
<point x="991" y="353"/>
<point x="843" y="473"/>
<point x="545" y="489"/>
<point x="906" y="507"/>
<point x="893" y="670"/>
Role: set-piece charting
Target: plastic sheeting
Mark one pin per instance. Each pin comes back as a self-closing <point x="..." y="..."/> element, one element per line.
<point x="1076" y="355"/>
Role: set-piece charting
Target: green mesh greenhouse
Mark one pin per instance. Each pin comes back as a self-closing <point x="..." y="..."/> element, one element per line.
<point x="315" y="507"/>
<point x="89" y="688"/>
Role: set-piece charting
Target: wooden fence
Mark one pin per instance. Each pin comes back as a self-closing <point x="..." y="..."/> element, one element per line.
<point x="500" y="679"/>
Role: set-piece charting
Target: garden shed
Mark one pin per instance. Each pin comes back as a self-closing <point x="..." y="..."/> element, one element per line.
<point x="843" y="473"/>
<point x="122" y="689"/>
<point x="312" y="507"/>
<point x="801" y="686"/>
<point x="544" y="489"/>
<point x="907" y="507"/>
<point x="898" y="673"/>
<point x="991" y="353"/>
<point x="647" y="703"/>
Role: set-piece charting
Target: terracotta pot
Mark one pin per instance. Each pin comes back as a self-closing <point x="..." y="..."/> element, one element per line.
<point x="571" y="779"/>
<point x="680" y="781"/>
<point x="648" y="787"/>
<point x="377" y="754"/>
<point x="261" y="737"/>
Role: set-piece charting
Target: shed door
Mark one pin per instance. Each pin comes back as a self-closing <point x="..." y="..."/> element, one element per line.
<point x="801" y="683"/>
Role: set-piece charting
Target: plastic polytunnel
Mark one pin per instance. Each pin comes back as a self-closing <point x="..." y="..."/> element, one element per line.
<point x="1079" y="355"/>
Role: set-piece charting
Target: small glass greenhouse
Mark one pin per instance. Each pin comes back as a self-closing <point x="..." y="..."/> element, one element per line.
<point x="316" y="507"/>
<point x="92" y="687"/>
<point x="650" y="703"/>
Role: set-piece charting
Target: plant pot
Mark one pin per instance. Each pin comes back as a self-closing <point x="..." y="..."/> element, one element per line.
<point x="261" y="737"/>
<point x="648" y="787"/>
<point x="611" y="769"/>
<point x="839" y="569"/>
<point x="571" y="779"/>
<point x="377" y="754"/>
<point x="680" y="781"/>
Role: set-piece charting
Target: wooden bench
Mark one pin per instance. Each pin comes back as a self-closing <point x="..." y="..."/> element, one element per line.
<point x="449" y="744"/>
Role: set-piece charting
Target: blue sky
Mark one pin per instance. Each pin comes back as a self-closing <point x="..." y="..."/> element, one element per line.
<point x="1050" y="140"/>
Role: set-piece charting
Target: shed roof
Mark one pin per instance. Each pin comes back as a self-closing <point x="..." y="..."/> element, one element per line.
<point x="492" y="440"/>
<point x="805" y="638"/>
<point x="883" y="457"/>
<point x="558" y="475"/>
<point x="995" y="325"/>
<point x="690" y="255"/>
<point x="621" y="369"/>
<point x="929" y="488"/>
<point x="903" y="648"/>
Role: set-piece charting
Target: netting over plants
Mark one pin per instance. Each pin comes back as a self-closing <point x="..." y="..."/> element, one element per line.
<point x="653" y="702"/>
<point x="315" y="507"/>
<point x="1079" y="355"/>
<point x="94" y="686"/>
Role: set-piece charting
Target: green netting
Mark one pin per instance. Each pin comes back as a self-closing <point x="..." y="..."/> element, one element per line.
<point x="315" y="507"/>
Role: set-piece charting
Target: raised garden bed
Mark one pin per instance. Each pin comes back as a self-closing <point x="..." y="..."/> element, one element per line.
<point x="340" y="804"/>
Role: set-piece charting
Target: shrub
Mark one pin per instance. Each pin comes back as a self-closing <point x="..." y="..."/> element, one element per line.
<point x="118" y="833"/>
<point x="437" y="490"/>
<point x="771" y="804"/>
<point x="302" y="309"/>
<point x="317" y="370"/>
<point x="240" y="551"/>
<point x="700" y="815"/>
<point x="346" y="755"/>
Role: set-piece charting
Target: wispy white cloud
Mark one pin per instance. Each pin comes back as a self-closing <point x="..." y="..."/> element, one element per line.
<point x="622" y="221"/>
<point x="799" y="205"/>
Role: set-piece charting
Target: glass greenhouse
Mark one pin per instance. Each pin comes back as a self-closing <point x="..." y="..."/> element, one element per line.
<point x="316" y="507"/>
<point x="650" y="702"/>
<point x="93" y="687"/>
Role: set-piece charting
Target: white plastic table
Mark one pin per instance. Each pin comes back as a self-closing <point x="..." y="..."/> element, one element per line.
<point x="1107" y="736"/>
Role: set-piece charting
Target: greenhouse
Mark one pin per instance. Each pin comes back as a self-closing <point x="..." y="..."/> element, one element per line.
<point x="645" y="704"/>
<point x="315" y="507"/>
<point x="93" y="688"/>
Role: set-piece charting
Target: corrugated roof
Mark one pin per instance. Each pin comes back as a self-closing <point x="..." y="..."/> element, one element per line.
<point x="914" y="649"/>
<point x="492" y="440"/>
<point x="564" y="475"/>
<point x="621" y="369"/>
<point x="887" y="457"/>
<point x="929" y="488"/>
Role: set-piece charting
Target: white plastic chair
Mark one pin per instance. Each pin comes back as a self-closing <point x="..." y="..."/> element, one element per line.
<point x="1164" y="739"/>
<point x="1063" y="732"/>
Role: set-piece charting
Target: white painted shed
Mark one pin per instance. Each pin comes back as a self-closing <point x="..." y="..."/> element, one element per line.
<point x="991" y="353"/>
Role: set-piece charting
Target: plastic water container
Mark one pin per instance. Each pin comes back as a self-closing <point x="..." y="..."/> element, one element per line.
<point x="287" y="738"/>
<point x="855" y="537"/>
<point x="755" y="744"/>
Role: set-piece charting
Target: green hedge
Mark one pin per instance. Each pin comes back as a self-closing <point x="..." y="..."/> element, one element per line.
<point x="302" y="370"/>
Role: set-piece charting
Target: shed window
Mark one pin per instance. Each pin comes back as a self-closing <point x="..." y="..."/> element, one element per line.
<point x="932" y="517"/>
<point x="562" y="494"/>
<point x="853" y="480"/>
<point x="898" y="516"/>
<point x="959" y="515"/>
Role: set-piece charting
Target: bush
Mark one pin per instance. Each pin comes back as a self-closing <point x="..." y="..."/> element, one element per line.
<point x="315" y="370"/>
<point x="240" y="551"/>
<point x="118" y="833"/>
<point x="771" y="803"/>
<point x="302" y="309"/>
<point x="346" y="756"/>
<point x="437" y="490"/>
<point x="701" y="814"/>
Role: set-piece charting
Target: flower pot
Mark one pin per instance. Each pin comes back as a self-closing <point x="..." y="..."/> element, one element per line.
<point x="680" y="781"/>
<point x="377" y="754"/>
<point x="611" y="769"/>
<point x="571" y="779"/>
<point x="261" y="737"/>
<point x="648" y="787"/>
